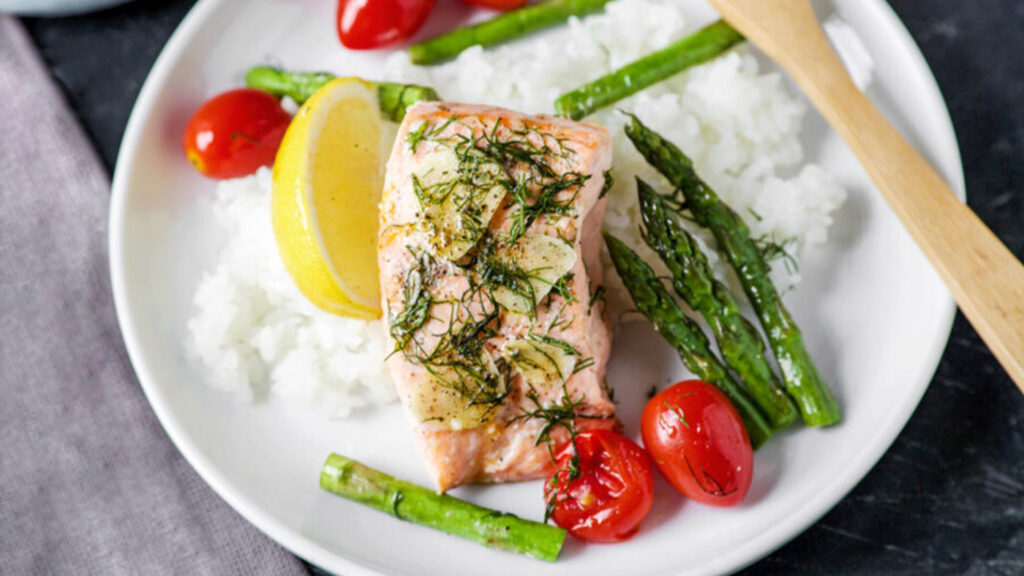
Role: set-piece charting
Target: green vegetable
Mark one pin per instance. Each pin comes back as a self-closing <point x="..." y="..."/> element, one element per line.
<point x="654" y="301"/>
<point x="803" y="382"/>
<point x="695" y="49"/>
<point x="406" y="501"/>
<point x="395" y="98"/>
<point x="503" y="28"/>
<point x="299" y="86"/>
<point x="741" y="345"/>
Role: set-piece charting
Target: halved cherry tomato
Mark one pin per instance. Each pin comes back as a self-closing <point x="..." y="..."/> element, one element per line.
<point x="612" y="492"/>
<point x="498" y="4"/>
<point x="698" y="442"/>
<point x="234" y="133"/>
<point x="366" y="24"/>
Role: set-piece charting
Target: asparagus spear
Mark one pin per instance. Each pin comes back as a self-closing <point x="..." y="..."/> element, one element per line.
<point x="740" y="344"/>
<point x="801" y="377"/>
<point x="695" y="49"/>
<point x="506" y="27"/>
<point x="299" y="86"/>
<point x="407" y="501"/>
<point x="654" y="301"/>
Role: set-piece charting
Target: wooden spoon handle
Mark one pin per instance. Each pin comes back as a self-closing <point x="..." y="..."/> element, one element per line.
<point x="985" y="278"/>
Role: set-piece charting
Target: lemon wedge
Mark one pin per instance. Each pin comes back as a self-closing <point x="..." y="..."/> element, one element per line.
<point x="328" y="177"/>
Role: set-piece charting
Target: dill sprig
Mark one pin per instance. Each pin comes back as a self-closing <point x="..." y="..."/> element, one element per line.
<point x="609" y="181"/>
<point x="561" y="414"/>
<point x="562" y="345"/>
<point x="772" y="249"/>
<point x="531" y="205"/>
<point x="416" y="299"/>
<point x="427" y="131"/>
<point x="595" y="297"/>
<point x="563" y="288"/>
<point x="583" y="364"/>
<point x="705" y="478"/>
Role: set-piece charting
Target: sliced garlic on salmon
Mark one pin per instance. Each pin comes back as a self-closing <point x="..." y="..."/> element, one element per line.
<point x="544" y="260"/>
<point x="456" y="399"/>
<point x="543" y="365"/>
<point x="458" y="198"/>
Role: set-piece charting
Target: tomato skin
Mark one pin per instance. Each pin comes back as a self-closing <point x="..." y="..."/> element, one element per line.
<point x="234" y="133"/>
<point x="367" y="24"/>
<point x="613" y="492"/>
<point x="699" y="443"/>
<point x="498" y="4"/>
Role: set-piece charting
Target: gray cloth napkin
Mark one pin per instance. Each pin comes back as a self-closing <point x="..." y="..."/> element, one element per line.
<point x="89" y="482"/>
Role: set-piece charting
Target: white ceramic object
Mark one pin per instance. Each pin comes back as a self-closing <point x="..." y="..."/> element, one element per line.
<point x="54" y="7"/>
<point x="875" y="315"/>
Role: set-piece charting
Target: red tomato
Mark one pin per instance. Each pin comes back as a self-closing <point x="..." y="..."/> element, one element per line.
<point x="699" y="443"/>
<point x="235" y="133"/>
<point x="611" y="494"/>
<point x="498" y="4"/>
<point x="365" y="24"/>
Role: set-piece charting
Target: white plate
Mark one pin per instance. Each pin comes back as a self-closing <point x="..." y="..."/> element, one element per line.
<point x="55" y="7"/>
<point x="875" y="315"/>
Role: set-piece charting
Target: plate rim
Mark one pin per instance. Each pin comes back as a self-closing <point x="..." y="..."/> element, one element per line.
<point x="819" y="505"/>
<point x="56" y="8"/>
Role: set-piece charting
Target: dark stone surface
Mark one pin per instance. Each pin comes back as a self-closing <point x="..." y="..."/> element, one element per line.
<point x="948" y="497"/>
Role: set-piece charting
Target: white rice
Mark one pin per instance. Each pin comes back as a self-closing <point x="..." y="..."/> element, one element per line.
<point x="255" y="332"/>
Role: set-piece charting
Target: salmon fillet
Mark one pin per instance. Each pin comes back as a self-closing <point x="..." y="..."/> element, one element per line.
<point x="489" y="267"/>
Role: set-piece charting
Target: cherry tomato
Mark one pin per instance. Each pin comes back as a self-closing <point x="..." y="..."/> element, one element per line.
<point x="365" y="24"/>
<point x="235" y="133"/>
<point x="498" y="4"/>
<point x="612" y="492"/>
<point x="698" y="442"/>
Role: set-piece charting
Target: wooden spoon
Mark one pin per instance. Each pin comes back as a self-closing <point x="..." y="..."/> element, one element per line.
<point x="985" y="278"/>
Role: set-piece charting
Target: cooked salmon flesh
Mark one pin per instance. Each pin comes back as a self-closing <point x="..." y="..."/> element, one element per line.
<point x="490" y="280"/>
